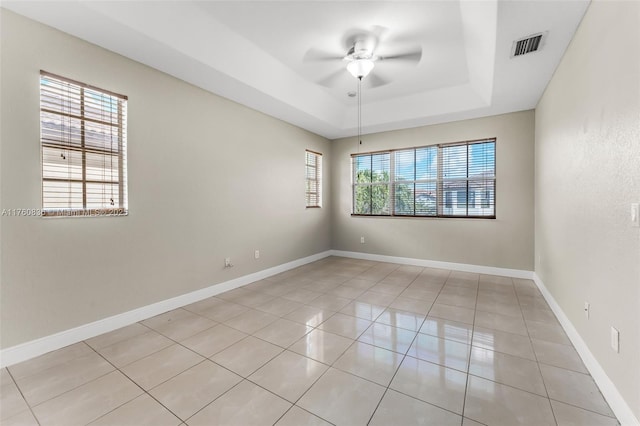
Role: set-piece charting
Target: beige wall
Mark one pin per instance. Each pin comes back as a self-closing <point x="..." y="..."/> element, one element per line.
<point x="587" y="176"/>
<point x="208" y="178"/>
<point x="506" y="242"/>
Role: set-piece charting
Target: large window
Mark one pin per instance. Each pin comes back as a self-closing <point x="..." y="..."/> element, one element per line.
<point x="447" y="180"/>
<point x="313" y="173"/>
<point x="83" y="139"/>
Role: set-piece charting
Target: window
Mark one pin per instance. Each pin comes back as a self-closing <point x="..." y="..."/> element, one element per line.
<point x="437" y="181"/>
<point x="83" y="140"/>
<point x="313" y="173"/>
<point x="415" y="173"/>
<point x="467" y="168"/>
<point x="371" y="184"/>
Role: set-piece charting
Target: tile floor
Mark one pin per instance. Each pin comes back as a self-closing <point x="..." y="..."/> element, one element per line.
<point x="339" y="341"/>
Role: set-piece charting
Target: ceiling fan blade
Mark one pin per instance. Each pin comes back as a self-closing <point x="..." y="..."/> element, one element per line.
<point x="414" y="56"/>
<point x="374" y="80"/>
<point x="317" y="55"/>
<point x="332" y="79"/>
<point x="380" y="32"/>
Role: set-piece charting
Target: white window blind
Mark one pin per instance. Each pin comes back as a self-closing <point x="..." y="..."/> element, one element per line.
<point x="415" y="181"/>
<point x="83" y="140"/>
<point x="468" y="179"/>
<point x="446" y="180"/>
<point x="313" y="174"/>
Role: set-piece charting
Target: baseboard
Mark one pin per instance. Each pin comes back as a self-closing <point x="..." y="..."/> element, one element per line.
<point x="619" y="406"/>
<point x="34" y="348"/>
<point x="489" y="270"/>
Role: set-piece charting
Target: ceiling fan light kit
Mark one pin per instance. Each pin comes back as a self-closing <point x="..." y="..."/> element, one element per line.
<point x="360" y="68"/>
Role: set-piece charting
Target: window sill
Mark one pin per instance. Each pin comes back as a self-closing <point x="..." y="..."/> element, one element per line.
<point x="406" y="216"/>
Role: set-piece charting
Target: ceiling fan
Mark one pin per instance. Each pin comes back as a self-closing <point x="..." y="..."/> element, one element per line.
<point x="361" y="56"/>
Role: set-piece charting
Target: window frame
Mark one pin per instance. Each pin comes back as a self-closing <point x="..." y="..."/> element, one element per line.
<point x="84" y="150"/>
<point x="444" y="199"/>
<point x="373" y="183"/>
<point x="316" y="177"/>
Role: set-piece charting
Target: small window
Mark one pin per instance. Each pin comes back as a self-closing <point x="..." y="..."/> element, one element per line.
<point x="313" y="174"/>
<point x="486" y="199"/>
<point x="462" y="198"/>
<point x="447" y="199"/>
<point x="84" y="149"/>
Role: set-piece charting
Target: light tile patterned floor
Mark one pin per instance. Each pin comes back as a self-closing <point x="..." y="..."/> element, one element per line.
<point x="339" y="341"/>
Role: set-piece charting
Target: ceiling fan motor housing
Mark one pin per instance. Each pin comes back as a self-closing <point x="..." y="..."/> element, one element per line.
<point x="361" y="49"/>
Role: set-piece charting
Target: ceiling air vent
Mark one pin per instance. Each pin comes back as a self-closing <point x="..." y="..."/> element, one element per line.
<point x="526" y="45"/>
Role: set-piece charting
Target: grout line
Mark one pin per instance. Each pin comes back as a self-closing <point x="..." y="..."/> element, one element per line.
<point x="15" y="383"/>
<point x="544" y="383"/>
<point x="325" y="372"/>
<point x="172" y="377"/>
<point x="214" y="400"/>
<point x="466" y="385"/>
<point x="328" y="369"/>
<point x="404" y="355"/>
<point x="135" y="383"/>
<point x="327" y="288"/>
<point x="586" y="409"/>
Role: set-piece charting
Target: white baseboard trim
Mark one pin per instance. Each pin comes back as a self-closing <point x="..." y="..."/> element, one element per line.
<point x="619" y="406"/>
<point x="34" y="348"/>
<point x="464" y="267"/>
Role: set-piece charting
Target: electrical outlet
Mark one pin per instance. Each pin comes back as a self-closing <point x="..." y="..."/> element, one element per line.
<point x="361" y="240"/>
<point x="615" y="339"/>
<point x="587" y="306"/>
<point x="635" y="215"/>
<point x="256" y="254"/>
<point x="227" y="262"/>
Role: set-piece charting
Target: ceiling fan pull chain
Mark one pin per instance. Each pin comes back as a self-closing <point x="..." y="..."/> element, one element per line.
<point x="360" y="110"/>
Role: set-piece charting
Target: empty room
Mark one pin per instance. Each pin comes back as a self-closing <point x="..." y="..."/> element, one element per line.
<point x="320" y="212"/>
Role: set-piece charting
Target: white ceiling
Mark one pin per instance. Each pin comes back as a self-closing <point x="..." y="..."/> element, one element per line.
<point x="254" y="53"/>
